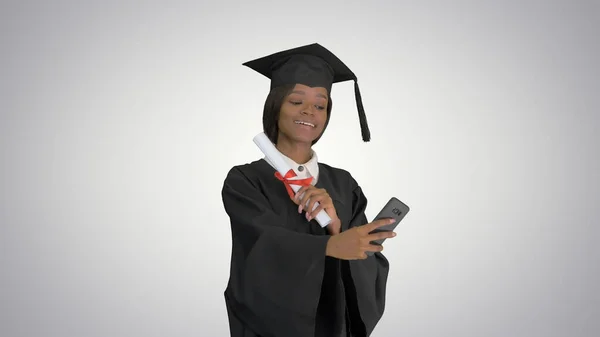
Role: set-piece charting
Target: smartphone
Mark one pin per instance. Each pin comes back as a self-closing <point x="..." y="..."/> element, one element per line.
<point x="395" y="209"/>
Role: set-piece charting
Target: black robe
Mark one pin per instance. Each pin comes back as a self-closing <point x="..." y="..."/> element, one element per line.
<point x="281" y="282"/>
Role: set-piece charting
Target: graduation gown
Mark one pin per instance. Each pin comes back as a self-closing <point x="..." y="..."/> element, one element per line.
<point x="281" y="282"/>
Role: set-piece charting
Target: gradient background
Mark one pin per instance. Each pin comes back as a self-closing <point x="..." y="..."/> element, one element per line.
<point x="119" y="121"/>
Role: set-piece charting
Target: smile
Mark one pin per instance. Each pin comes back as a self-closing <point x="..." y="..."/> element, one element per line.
<point x="305" y="123"/>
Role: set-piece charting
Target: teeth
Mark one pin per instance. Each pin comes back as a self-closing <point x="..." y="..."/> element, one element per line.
<point x="305" y="123"/>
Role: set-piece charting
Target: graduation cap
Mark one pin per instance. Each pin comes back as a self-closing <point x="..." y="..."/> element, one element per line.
<point x="311" y="65"/>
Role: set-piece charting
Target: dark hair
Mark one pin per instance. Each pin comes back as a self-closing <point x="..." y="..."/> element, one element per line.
<point x="272" y="110"/>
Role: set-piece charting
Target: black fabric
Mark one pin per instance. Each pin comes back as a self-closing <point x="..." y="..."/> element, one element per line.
<point x="281" y="282"/>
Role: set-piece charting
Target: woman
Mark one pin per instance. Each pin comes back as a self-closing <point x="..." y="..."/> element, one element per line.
<point x="289" y="276"/>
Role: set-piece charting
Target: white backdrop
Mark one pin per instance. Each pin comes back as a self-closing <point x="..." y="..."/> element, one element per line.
<point x="120" y="120"/>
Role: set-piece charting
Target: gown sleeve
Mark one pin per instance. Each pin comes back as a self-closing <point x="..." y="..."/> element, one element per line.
<point x="276" y="272"/>
<point x="364" y="280"/>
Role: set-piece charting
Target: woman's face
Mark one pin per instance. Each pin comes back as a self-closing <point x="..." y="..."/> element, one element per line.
<point x="303" y="114"/>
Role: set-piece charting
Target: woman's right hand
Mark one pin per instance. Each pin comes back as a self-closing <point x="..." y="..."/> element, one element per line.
<point x="353" y="244"/>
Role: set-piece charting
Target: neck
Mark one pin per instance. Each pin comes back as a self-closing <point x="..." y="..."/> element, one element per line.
<point x="298" y="152"/>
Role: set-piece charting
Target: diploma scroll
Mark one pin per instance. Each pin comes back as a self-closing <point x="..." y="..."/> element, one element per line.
<point x="266" y="146"/>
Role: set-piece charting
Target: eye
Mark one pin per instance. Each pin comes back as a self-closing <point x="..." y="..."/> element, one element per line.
<point x="296" y="102"/>
<point x="320" y="107"/>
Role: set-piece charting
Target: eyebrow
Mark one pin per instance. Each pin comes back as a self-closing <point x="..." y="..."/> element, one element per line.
<point x="303" y="93"/>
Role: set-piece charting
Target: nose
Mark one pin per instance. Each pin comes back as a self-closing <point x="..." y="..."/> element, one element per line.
<point x="308" y="109"/>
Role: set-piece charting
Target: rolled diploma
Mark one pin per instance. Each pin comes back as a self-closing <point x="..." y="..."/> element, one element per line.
<point x="266" y="146"/>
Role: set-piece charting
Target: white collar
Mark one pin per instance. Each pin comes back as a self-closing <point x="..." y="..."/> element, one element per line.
<point x="305" y="170"/>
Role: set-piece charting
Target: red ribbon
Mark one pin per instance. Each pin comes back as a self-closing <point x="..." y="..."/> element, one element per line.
<point x="287" y="181"/>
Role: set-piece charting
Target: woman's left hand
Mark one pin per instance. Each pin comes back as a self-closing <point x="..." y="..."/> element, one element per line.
<point x="320" y="195"/>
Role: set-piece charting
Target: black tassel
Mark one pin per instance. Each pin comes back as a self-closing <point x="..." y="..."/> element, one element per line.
<point x="364" y="127"/>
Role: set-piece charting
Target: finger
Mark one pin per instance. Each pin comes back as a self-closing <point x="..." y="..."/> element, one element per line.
<point x="321" y="199"/>
<point x="374" y="248"/>
<point x="381" y="236"/>
<point x="300" y="192"/>
<point x="316" y="211"/>
<point x="295" y="200"/>
<point x="324" y="206"/>
<point x="368" y="228"/>
<point x="301" y="197"/>
<point x="308" y="196"/>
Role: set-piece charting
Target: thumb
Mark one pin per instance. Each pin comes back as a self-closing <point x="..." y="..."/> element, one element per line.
<point x="377" y="223"/>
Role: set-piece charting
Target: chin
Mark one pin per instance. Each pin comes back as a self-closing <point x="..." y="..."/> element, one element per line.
<point x="303" y="139"/>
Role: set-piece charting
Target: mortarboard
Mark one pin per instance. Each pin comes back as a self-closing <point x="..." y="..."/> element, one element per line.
<point x="311" y="65"/>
